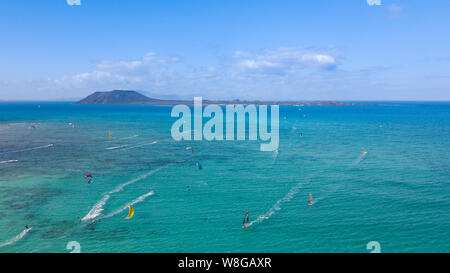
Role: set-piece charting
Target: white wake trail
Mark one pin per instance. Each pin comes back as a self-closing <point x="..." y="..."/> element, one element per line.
<point x="129" y="137"/>
<point x="292" y="192"/>
<point x="132" y="147"/>
<point x="132" y="203"/>
<point x="116" y="147"/>
<point x="128" y="147"/>
<point x="277" y="206"/>
<point x="17" y="238"/>
<point x="139" y="178"/>
<point x="358" y="160"/>
<point x="8" y="161"/>
<point x="29" y="149"/>
<point x="140" y="145"/>
<point x="97" y="209"/>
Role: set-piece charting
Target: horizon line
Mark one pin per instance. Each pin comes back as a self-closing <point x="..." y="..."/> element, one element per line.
<point x="298" y="101"/>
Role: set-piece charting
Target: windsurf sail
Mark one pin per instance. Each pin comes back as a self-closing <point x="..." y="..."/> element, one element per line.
<point x="246" y="218"/>
<point x="199" y="166"/>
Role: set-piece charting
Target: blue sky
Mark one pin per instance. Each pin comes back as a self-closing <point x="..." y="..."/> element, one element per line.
<point x="252" y="49"/>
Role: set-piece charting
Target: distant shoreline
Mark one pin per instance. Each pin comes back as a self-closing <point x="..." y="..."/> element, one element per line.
<point x="362" y="102"/>
<point x="287" y="103"/>
<point x="129" y="97"/>
<point x="232" y="102"/>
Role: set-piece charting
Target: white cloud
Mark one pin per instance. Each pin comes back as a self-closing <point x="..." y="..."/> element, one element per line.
<point x="73" y="2"/>
<point x="153" y="57"/>
<point x="150" y="70"/>
<point x="284" y="60"/>
<point x="374" y="2"/>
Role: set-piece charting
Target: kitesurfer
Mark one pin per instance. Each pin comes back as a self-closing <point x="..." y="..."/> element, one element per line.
<point x="130" y="212"/>
<point x="91" y="179"/>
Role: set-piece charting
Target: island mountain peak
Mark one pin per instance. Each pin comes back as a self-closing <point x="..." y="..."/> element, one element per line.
<point x="117" y="97"/>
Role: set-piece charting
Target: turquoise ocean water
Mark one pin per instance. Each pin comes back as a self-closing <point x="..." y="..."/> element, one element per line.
<point x="397" y="194"/>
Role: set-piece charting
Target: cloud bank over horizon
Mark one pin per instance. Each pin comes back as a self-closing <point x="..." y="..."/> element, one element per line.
<point x="244" y="74"/>
<point x="283" y="73"/>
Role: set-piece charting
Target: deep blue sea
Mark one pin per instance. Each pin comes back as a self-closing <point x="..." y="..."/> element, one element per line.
<point x="397" y="193"/>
